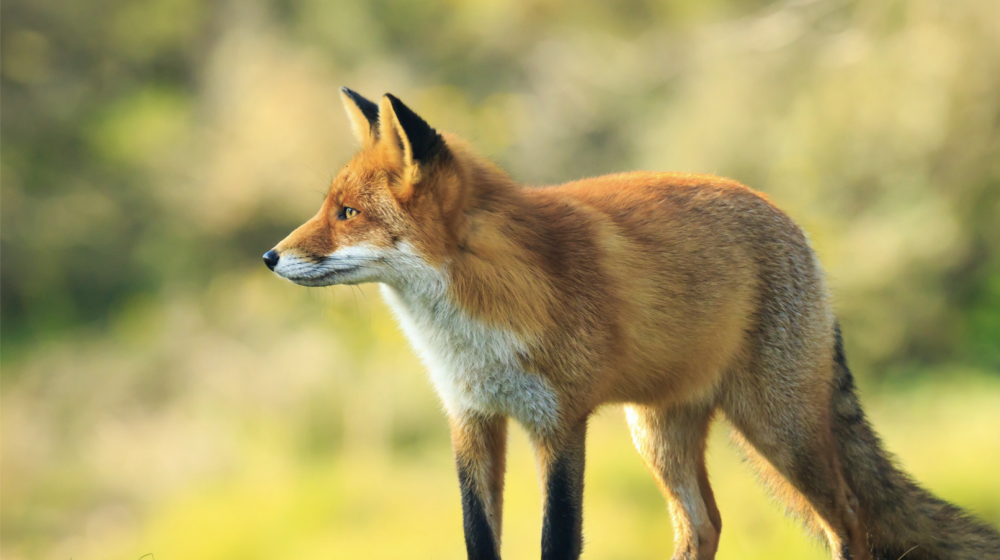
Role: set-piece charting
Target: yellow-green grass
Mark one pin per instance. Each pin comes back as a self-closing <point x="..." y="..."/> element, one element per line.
<point x="362" y="505"/>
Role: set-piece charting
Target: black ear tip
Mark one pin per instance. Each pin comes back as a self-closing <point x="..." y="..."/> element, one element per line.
<point x="424" y="140"/>
<point x="403" y="112"/>
<point x="369" y="109"/>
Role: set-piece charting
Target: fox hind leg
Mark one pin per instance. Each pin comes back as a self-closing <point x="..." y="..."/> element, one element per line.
<point x="797" y="457"/>
<point x="671" y="440"/>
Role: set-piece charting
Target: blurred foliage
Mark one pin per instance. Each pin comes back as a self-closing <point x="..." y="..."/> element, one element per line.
<point x="157" y="382"/>
<point x="151" y="145"/>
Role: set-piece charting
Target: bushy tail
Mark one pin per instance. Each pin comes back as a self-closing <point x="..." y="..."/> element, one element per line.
<point x="901" y="517"/>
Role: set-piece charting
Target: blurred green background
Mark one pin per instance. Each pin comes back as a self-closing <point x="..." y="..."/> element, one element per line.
<point x="163" y="393"/>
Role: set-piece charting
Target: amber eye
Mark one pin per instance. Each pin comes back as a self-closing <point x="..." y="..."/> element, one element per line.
<point x="348" y="213"/>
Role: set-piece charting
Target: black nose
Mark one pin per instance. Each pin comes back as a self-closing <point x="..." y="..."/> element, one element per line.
<point x="271" y="259"/>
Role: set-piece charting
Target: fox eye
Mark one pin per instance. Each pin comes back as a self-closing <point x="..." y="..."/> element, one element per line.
<point x="347" y="213"/>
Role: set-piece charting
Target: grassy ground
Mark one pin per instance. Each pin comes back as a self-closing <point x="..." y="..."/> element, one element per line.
<point x="367" y="505"/>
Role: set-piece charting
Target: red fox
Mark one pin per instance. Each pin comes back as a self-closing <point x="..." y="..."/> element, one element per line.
<point x="676" y="295"/>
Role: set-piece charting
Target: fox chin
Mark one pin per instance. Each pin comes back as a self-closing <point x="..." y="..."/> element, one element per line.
<point x="676" y="295"/>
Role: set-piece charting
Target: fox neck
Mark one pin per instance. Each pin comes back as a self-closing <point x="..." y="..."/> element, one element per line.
<point x="491" y="273"/>
<point x="476" y="361"/>
<point x="476" y="316"/>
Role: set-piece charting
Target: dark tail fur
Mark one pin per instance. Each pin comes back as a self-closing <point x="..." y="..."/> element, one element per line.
<point x="900" y="516"/>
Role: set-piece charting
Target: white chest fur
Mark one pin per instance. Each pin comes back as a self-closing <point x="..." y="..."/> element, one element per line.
<point x="474" y="367"/>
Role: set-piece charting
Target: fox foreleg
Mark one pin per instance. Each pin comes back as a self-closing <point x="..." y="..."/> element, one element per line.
<point x="480" y="445"/>
<point x="561" y="463"/>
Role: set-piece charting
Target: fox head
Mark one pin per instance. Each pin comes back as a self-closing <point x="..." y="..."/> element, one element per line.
<point x="391" y="212"/>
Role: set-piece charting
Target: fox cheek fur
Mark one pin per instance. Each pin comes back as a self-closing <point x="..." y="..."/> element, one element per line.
<point x="679" y="296"/>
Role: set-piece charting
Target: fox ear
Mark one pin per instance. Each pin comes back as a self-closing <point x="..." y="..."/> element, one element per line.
<point x="363" y="115"/>
<point x="408" y="139"/>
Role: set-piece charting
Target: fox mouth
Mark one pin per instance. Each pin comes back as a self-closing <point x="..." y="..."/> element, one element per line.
<point x="319" y="272"/>
<point x="351" y="265"/>
<point x="327" y="277"/>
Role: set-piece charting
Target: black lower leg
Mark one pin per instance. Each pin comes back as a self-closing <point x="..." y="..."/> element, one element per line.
<point x="479" y="541"/>
<point x="562" y="529"/>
